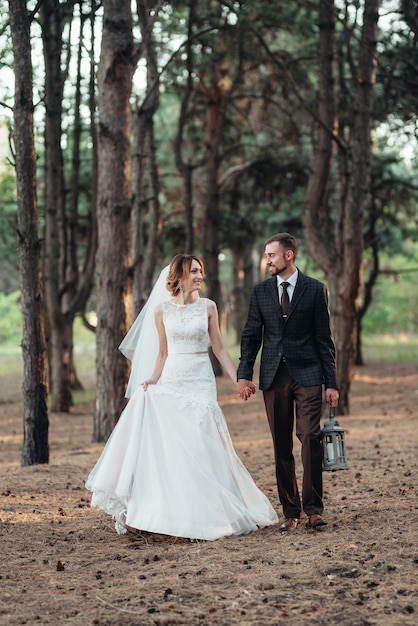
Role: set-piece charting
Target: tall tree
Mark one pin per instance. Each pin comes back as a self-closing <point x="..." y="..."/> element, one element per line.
<point x="78" y="283"/>
<point x="184" y="160"/>
<point x="335" y="239"/>
<point x="52" y="19"/>
<point x="35" y="389"/>
<point x="82" y="283"/>
<point x="113" y="261"/>
<point x="145" y="177"/>
<point x="68" y="245"/>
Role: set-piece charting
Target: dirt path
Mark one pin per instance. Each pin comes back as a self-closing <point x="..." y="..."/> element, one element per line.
<point x="62" y="563"/>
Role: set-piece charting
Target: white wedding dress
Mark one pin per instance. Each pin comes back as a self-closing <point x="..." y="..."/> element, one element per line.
<point x="169" y="466"/>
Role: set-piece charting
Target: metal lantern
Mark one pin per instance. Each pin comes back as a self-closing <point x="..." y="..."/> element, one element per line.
<point x="333" y="445"/>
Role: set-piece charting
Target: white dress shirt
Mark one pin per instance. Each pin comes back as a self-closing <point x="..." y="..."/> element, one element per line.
<point x="291" y="288"/>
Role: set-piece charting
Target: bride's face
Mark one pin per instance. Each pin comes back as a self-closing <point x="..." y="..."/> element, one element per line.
<point x="193" y="282"/>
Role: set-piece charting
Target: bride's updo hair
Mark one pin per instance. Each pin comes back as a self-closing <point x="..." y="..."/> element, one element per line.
<point x="180" y="267"/>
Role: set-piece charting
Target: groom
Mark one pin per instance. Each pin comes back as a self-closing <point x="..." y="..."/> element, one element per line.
<point x="288" y="316"/>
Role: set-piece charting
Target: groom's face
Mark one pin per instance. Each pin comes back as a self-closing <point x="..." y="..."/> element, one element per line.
<point x="277" y="258"/>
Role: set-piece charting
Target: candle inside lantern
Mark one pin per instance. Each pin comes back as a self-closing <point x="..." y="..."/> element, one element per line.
<point x="330" y="451"/>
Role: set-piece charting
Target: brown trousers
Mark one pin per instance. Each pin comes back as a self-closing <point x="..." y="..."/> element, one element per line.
<point x="283" y="401"/>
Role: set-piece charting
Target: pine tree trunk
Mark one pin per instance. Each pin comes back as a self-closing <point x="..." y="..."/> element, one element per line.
<point x="55" y="250"/>
<point x="113" y="263"/>
<point x="35" y="389"/>
<point x="338" y="249"/>
<point x="145" y="179"/>
<point x="185" y="165"/>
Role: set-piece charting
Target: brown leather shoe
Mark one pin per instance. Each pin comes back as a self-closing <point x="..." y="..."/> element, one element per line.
<point x="289" y="524"/>
<point x="315" y="521"/>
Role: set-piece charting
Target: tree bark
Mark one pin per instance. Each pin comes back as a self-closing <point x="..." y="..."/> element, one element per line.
<point x="212" y="214"/>
<point x="338" y="249"/>
<point x="52" y="19"/>
<point x="215" y="100"/>
<point x="145" y="180"/>
<point x="72" y="266"/>
<point x="35" y="388"/>
<point x="113" y="263"/>
<point x="87" y="277"/>
<point x="184" y="165"/>
<point x="316" y="222"/>
<point x="242" y="274"/>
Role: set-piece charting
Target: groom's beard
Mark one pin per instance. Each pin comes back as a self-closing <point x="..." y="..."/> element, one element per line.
<point x="276" y="271"/>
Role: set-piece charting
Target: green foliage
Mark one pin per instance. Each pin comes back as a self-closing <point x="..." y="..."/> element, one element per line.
<point x="391" y="347"/>
<point x="394" y="308"/>
<point x="397" y="85"/>
<point x="9" y="261"/>
<point x="10" y="319"/>
<point x="84" y="359"/>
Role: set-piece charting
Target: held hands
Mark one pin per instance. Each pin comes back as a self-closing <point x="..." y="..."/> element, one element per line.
<point x="245" y="389"/>
<point x="331" y="397"/>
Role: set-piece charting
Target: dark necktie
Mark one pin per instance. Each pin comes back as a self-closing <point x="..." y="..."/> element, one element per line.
<point x="285" y="299"/>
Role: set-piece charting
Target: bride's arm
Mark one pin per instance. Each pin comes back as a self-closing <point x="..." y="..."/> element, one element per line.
<point x="162" y="353"/>
<point x="218" y="347"/>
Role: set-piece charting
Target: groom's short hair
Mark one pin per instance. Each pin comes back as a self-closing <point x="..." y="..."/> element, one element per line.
<point x="287" y="241"/>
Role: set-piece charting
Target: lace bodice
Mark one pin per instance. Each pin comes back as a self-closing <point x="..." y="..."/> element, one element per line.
<point x="186" y="326"/>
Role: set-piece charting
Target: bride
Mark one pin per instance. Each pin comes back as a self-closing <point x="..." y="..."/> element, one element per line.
<point x="169" y="465"/>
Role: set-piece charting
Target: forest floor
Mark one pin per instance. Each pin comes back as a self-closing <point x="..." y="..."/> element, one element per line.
<point x="61" y="562"/>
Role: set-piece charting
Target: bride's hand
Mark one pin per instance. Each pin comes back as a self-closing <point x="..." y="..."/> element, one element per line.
<point x="145" y="383"/>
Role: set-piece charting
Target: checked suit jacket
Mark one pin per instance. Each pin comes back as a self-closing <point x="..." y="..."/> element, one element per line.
<point x="304" y="338"/>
